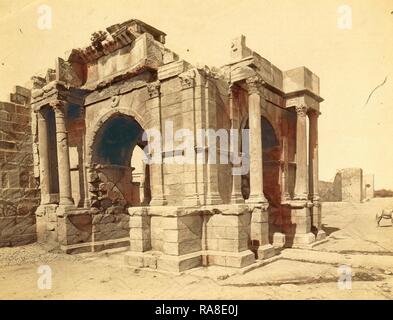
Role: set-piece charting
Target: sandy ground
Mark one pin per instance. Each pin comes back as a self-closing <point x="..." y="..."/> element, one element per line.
<point x="354" y="241"/>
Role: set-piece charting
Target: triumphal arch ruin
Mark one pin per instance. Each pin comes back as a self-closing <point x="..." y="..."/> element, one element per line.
<point x="91" y="115"/>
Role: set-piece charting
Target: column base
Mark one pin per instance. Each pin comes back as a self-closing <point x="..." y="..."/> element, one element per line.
<point x="164" y="262"/>
<point x="265" y="252"/>
<point x="62" y="209"/>
<point x="303" y="239"/>
<point x="302" y="196"/>
<point x="320" y="235"/>
<point x="230" y="259"/>
<point x="170" y="263"/>
<point x="191" y="201"/>
<point x="237" y="198"/>
<point x="256" y="199"/>
<point x="213" y="198"/>
<point x="158" y="202"/>
<point x="279" y="240"/>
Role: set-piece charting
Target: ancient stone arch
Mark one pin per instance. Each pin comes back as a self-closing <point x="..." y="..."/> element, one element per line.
<point x="103" y="119"/>
<point x="195" y="213"/>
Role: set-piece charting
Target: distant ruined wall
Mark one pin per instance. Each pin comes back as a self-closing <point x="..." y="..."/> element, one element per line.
<point x="352" y="184"/>
<point x="348" y="186"/>
<point x="19" y="195"/>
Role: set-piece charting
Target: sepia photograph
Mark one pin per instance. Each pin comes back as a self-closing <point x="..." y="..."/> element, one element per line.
<point x="185" y="150"/>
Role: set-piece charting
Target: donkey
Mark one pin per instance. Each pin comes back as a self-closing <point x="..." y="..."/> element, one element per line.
<point x="385" y="214"/>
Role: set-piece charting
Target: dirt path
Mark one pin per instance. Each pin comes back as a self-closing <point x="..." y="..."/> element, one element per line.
<point x="297" y="274"/>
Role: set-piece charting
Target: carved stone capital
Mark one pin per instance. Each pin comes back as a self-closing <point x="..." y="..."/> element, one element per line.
<point x="187" y="80"/>
<point x="153" y="89"/>
<point x="301" y="110"/>
<point x="254" y="85"/>
<point x="57" y="105"/>
<point x="313" y="114"/>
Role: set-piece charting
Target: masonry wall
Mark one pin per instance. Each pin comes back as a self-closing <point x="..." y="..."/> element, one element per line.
<point x="19" y="194"/>
<point x="352" y="185"/>
<point x="348" y="186"/>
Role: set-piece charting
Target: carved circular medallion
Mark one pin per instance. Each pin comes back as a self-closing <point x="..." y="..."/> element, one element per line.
<point x="115" y="101"/>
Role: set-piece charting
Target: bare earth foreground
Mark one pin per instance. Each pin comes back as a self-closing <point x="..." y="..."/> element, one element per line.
<point x="353" y="240"/>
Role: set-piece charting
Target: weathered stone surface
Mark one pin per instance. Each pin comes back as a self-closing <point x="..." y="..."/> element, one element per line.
<point x="88" y="150"/>
<point x="18" y="201"/>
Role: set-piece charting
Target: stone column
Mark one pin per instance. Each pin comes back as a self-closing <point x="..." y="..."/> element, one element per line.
<point x="62" y="154"/>
<point x="255" y="141"/>
<point x="285" y="196"/>
<point x="156" y="169"/>
<point x="212" y="169"/>
<point x="301" y="190"/>
<point x="236" y="196"/>
<point x="313" y="155"/>
<point x="43" y="149"/>
<point x="187" y="81"/>
<point x="316" y="210"/>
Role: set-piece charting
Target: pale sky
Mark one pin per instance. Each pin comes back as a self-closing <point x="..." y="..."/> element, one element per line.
<point x="289" y="33"/>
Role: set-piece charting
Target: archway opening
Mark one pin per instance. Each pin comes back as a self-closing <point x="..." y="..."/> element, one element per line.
<point x="116" y="144"/>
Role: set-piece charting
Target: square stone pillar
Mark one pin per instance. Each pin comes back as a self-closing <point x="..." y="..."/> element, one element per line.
<point x="187" y="81"/>
<point x="301" y="224"/>
<point x="227" y="236"/>
<point x="260" y="233"/>
<point x="156" y="169"/>
<point x="140" y="232"/>
<point x="212" y="194"/>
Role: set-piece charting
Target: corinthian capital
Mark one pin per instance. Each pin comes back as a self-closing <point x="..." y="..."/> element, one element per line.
<point x="57" y="105"/>
<point x="153" y="89"/>
<point x="254" y="84"/>
<point x="187" y="80"/>
<point x="301" y="110"/>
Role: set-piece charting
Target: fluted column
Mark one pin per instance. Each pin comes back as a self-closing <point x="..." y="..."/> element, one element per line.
<point x="62" y="154"/>
<point x="43" y="149"/>
<point x="156" y="169"/>
<point x="236" y="196"/>
<point x="313" y="155"/>
<point x="301" y="189"/>
<point x="255" y="141"/>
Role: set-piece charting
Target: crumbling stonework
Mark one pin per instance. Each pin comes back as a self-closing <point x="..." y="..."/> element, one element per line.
<point x="19" y="195"/>
<point x="349" y="185"/>
<point x="90" y="118"/>
<point x="352" y="184"/>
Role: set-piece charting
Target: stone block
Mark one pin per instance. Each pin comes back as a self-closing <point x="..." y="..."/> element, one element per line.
<point x="140" y="245"/>
<point x="265" y="252"/>
<point x="300" y="240"/>
<point x="172" y="69"/>
<point x="279" y="240"/>
<point x="179" y="264"/>
<point x="240" y="260"/>
<point x="229" y="245"/>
